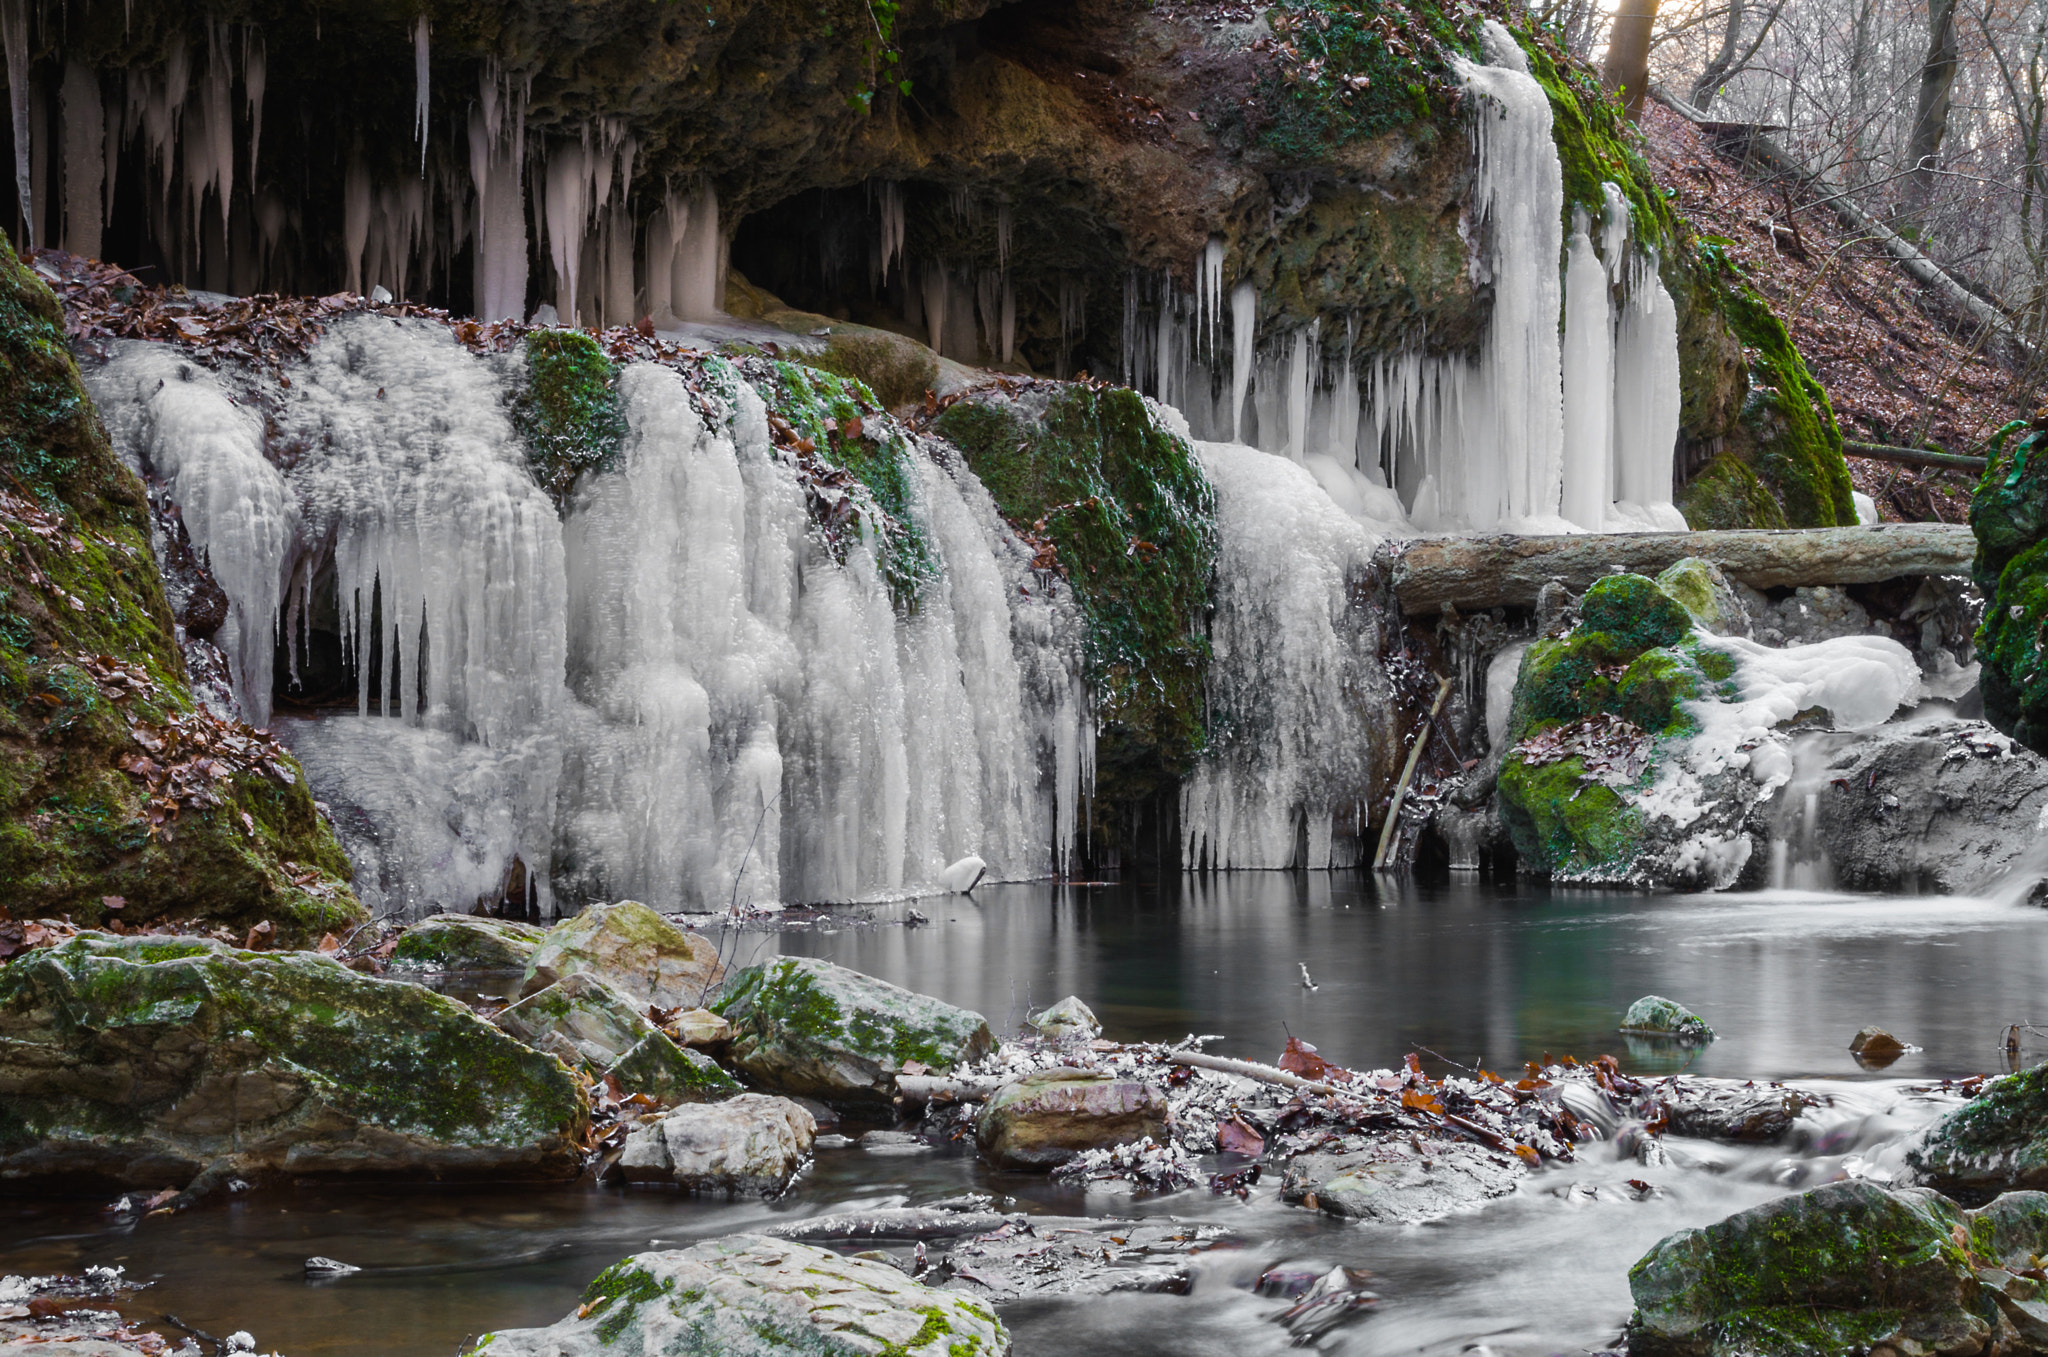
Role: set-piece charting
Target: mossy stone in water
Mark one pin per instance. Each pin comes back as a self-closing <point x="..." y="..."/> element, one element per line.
<point x="813" y="1028"/>
<point x="1840" y="1269"/>
<point x="1655" y="1016"/>
<point x="1569" y="825"/>
<point x="584" y="1022"/>
<point x="628" y="945"/>
<point x="1997" y="1140"/>
<point x="142" y="1060"/>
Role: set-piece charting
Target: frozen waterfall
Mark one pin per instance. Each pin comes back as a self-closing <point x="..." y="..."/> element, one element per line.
<point x="678" y="691"/>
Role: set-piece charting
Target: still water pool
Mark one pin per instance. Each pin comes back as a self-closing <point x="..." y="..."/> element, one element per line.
<point x="1465" y="973"/>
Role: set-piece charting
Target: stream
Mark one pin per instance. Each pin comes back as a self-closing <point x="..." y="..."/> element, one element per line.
<point x="1473" y="972"/>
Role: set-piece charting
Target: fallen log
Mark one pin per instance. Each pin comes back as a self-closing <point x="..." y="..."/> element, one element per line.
<point x="1248" y="1069"/>
<point x="927" y="1088"/>
<point x="1485" y="572"/>
<point x="1885" y="452"/>
<point x="893" y="1222"/>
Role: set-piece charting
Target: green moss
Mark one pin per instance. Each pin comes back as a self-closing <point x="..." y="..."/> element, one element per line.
<point x="622" y="1288"/>
<point x="1634" y="612"/>
<point x="1727" y="494"/>
<point x="1131" y="520"/>
<point x="2009" y="515"/>
<point x="897" y="369"/>
<point x="1565" y="822"/>
<point x="77" y="581"/>
<point x="1798" y="444"/>
<point x="1362" y="71"/>
<point x="568" y="410"/>
<point x="1652" y="689"/>
<point x="1596" y="145"/>
<point x="820" y="406"/>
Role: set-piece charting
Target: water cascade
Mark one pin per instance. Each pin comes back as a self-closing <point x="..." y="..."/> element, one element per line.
<point x="679" y="685"/>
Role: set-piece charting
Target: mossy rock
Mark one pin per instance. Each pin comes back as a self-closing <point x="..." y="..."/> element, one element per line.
<point x="2009" y="516"/>
<point x="1634" y="613"/>
<point x="1996" y="1141"/>
<point x="897" y="368"/>
<point x="1655" y="1016"/>
<point x="78" y="581"/>
<point x="816" y="1029"/>
<point x="1705" y="593"/>
<point x="638" y="952"/>
<point x="1727" y="494"/>
<point x="1565" y="824"/>
<point x="585" y="1023"/>
<point x="568" y="410"/>
<point x="751" y="1296"/>
<point x="1840" y="1269"/>
<point x="1132" y="523"/>
<point x="466" y="942"/>
<point x="140" y="1061"/>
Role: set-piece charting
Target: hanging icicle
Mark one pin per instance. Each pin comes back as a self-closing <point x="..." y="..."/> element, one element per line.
<point x="14" y="37"/>
<point x="421" y="30"/>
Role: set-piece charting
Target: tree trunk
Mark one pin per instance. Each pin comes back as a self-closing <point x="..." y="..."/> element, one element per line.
<point x="1709" y="84"/>
<point x="1930" y="115"/>
<point x="1628" y="52"/>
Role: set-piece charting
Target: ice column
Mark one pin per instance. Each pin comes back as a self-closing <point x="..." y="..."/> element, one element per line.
<point x="1589" y="390"/>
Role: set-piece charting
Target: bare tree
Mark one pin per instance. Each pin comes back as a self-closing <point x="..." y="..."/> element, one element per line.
<point x="1930" y="115"/>
<point x="1628" y="52"/>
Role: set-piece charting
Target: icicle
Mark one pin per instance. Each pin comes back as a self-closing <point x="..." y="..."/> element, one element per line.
<point x="888" y="197"/>
<point x="567" y="215"/>
<point x="936" y="309"/>
<point x="1589" y="390"/>
<point x="1300" y="386"/>
<point x="114" y="120"/>
<point x="216" y="95"/>
<point x="421" y="42"/>
<point x="987" y="303"/>
<point x="14" y="37"/>
<point x="700" y="263"/>
<point x="496" y="164"/>
<point x="1244" y="316"/>
<point x="85" y="138"/>
<point x="1646" y="404"/>
<point x="1073" y="321"/>
<point x="255" y="75"/>
<point x="1209" y="292"/>
<point x="664" y="228"/>
<point x="1164" y="342"/>
<point x="1003" y="224"/>
<point x="1009" y="321"/>
<point x="1614" y="232"/>
<point x="618" y="289"/>
<point x="358" y="202"/>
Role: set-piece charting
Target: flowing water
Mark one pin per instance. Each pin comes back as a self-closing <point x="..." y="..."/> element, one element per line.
<point x="1470" y="972"/>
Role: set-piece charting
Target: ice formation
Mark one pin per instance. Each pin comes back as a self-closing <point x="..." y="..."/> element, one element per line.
<point x="1296" y="699"/>
<point x="677" y="692"/>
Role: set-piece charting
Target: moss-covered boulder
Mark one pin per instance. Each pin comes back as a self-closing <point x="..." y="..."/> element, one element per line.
<point x="466" y="942"/>
<point x="1130" y="522"/>
<point x="1704" y="592"/>
<point x="1847" y="1268"/>
<point x="1598" y="719"/>
<point x="751" y="1296"/>
<point x="2009" y="515"/>
<point x="585" y="1023"/>
<point x="810" y="1027"/>
<point x="1996" y="1141"/>
<point x="641" y="954"/>
<point x="142" y="1061"/>
<point x="1044" y="1119"/>
<point x="1655" y="1016"/>
<point x="95" y="709"/>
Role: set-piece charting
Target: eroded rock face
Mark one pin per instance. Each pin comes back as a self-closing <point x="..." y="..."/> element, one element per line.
<point x="749" y="1144"/>
<point x="1849" y="1267"/>
<point x="1939" y="806"/>
<point x="635" y="950"/>
<point x="582" y="1021"/>
<point x="1995" y="1142"/>
<point x="141" y="1061"/>
<point x="806" y="1026"/>
<point x="1043" y="1120"/>
<point x="465" y="942"/>
<point x="751" y="1296"/>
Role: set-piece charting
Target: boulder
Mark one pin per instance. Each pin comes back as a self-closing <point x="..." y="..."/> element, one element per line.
<point x="582" y="1021"/>
<point x="1851" y="1267"/>
<point x="1400" y="1182"/>
<point x="749" y="1144"/>
<point x="1722" y="1109"/>
<point x="139" y="1061"/>
<point x="1875" y="1047"/>
<point x="1996" y="1141"/>
<point x="465" y="942"/>
<point x="701" y="1027"/>
<point x="806" y="1026"/>
<point x="1655" y="1016"/>
<point x="751" y="1296"/>
<point x="1042" y="1120"/>
<point x="1067" y="1018"/>
<point x="642" y="955"/>
<point x="1929" y="806"/>
<point x="1703" y="591"/>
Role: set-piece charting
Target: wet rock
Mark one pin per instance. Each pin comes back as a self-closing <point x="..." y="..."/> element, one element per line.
<point x="1938" y="806"/>
<point x="641" y="954"/>
<point x="1996" y="1141"/>
<point x="1849" y="1267"/>
<point x="806" y="1026"/>
<point x="894" y="1142"/>
<point x="466" y="942"/>
<point x="142" y="1061"/>
<point x="1401" y="1181"/>
<point x="1654" y="1015"/>
<point x="1873" y="1046"/>
<point x="751" y="1296"/>
<point x="582" y="1021"/>
<point x="1718" y="1109"/>
<point x="1045" y="1119"/>
<point x="1816" y="613"/>
<point x="749" y="1144"/>
<point x="1067" y="1018"/>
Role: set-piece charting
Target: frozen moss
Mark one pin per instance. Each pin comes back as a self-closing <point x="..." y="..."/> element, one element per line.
<point x="568" y="410"/>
